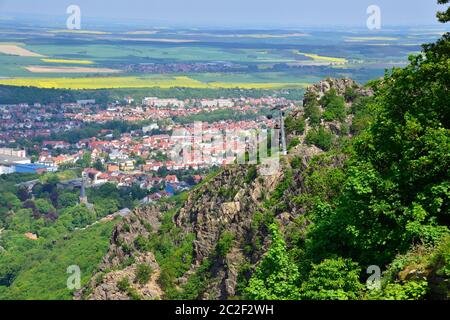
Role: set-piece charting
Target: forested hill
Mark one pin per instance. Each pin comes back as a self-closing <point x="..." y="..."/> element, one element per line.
<point x="16" y="95"/>
<point x="365" y="187"/>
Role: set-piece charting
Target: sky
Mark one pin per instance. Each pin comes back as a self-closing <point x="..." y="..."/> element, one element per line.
<point x="229" y="13"/>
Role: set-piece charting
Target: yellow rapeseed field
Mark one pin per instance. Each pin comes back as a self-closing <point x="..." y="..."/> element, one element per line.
<point x="138" y="82"/>
<point x="67" y="61"/>
<point x="317" y="57"/>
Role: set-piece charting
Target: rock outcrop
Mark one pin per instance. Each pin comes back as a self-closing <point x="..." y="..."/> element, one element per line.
<point x="122" y="260"/>
<point x="340" y="85"/>
<point x="107" y="284"/>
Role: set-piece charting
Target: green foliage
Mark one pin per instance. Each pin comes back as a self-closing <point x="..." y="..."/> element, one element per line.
<point x="293" y="143"/>
<point x="333" y="279"/>
<point x="251" y="175"/>
<point x="276" y="277"/>
<point x="227" y="193"/>
<point x="143" y="273"/>
<point x="296" y="163"/>
<point x="363" y="114"/>
<point x="350" y="94"/>
<point x="440" y="259"/>
<point x="321" y="138"/>
<point x="68" y="199"/>
<point x="14" y="95"/>
<point x="219" y="115"/>
<point x="411" y="290"/>
<point x="81" y="215"/>
<point x="44" y="206"/>
<point x="294" y="125"/>
<point x="395" y="193"/>
<point x="85" y="161"/>
<point x="8" y="202"/>
<point x="275" y="201"/>
<point x="334" y="106"/>
<point x="416" y="274"/>
<point x="197" y="283"/>
<point x="173" y="251"/>
<point x="125" y="286"/>
<point x="224" y="244"/>
<point x="444" y="16"/>
<point x="313" y="113"/>
<point x="37" y="269"/>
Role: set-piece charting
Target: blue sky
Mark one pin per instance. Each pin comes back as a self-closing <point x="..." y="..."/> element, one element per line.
<point x="237" y="12"/>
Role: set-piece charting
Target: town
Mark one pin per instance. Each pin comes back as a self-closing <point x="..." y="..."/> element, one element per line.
<point x="148" y="152"/>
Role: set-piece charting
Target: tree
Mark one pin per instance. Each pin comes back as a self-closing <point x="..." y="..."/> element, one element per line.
<point x="67" y="199"/>
<point x="320" y="137"/>
<point x="9" y="200"/>
<point x="85" y="161"/>
<point x="397" y="191"/>
<point x="98" y="165"/>
<point x="350" y="94"/>
<point x="225" y="244"/>
<point x="312" y="112"/>
<point x="444" y="16"/>
<point x="295" y="125"/>
<point x="44" y="206"/>
<point x="23" y="194"/>
<point x="105" y="206"/>
<point x="81" y="215"/>
<point x="333" y="279"/>
<point x="334" y="106"/>
<point x="276" y="277"/>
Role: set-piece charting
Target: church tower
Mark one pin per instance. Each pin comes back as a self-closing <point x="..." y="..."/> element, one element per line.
<point x="83" y="196"/>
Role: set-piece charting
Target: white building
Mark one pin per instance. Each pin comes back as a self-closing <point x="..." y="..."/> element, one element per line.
<point x="153" y="126"/>
<point x="85" y="102"/>
<point x="221" y="103"/>
<point x="156" y="102"/>
<point x="8" y="162"/>
<point x="13" y="152"/>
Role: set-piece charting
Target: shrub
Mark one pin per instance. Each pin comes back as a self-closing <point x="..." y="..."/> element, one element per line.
<point x="224" y="244"/>
<point x="312" y="111"/>
<point x="333" y="279"/>
<point x="276" y="277"/>
<point x="321" y="138"/>
<point x="294" y="125"/>
<point x="252" y="173"/>
<point x="123" y="284"/>
<point x="143" y="273"/>
<point x="293" y="143"/>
